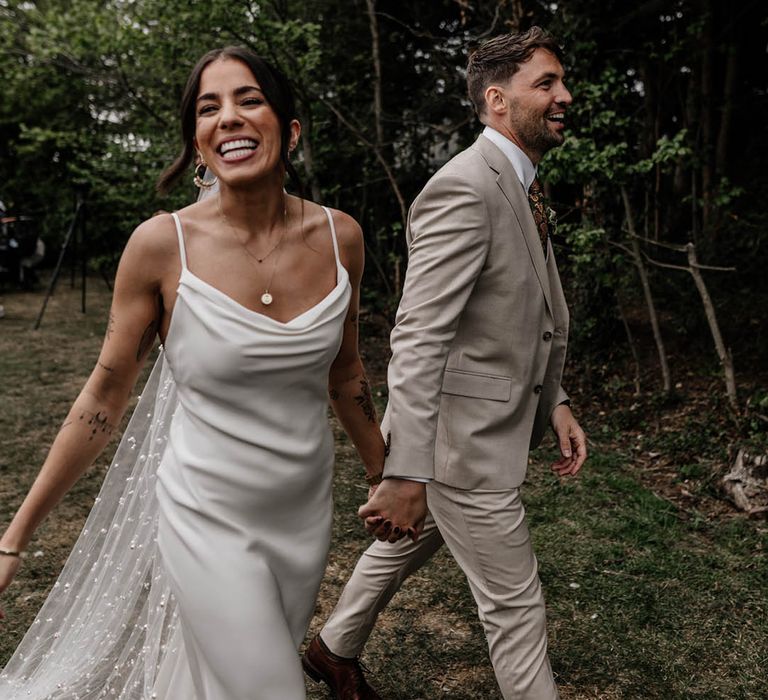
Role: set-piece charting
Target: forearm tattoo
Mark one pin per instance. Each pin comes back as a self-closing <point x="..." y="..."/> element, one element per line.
<point x="365" y="400"/>
<point x="104" y="367"/>
<point x="110" y="325"/>
<point x="97" y="423"/>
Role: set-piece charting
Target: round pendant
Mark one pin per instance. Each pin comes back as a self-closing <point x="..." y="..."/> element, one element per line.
<point x="266" y="298"/>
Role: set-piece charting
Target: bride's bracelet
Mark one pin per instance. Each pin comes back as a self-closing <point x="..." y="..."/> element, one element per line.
<point x="9" y="553"/>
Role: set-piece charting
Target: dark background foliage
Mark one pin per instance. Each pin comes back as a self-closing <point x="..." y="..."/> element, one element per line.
<point x="655" y="584"/>
<point x="665" y="140"/>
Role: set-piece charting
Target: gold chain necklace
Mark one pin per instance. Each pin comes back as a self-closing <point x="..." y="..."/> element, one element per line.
<point x="266" y="297"/>
<point x="232" y="228"/>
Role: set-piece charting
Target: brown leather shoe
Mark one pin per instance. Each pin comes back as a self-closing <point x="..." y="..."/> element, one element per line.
<point x="343" y="676"/>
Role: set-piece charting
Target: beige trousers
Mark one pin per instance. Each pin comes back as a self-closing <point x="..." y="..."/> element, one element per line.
<point x="487" y="535"/>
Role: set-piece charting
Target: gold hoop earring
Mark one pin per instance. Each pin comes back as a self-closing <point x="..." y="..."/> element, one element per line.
<point x="198" y="178"/>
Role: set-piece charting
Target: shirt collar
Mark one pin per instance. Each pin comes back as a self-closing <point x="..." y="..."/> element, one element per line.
<point x="524" y="168"/>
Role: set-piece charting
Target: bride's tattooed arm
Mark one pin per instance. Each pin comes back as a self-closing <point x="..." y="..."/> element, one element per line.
<point x="352" y="402"/>
<point x="147" y="339"/>
<point x="130" y="333"/>
<point x="97" y="423"/>
<point x="365" y="400"/>
<point x="358" y="389"/>
<point x="348" y="387"/>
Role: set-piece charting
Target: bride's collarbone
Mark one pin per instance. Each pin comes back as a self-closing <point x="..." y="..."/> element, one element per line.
<point x="293" y="288"/>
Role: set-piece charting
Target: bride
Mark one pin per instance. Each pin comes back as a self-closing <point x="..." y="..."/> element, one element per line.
<point x="196" y="574"/>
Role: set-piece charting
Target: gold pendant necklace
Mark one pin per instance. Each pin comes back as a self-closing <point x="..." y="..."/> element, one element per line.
<point x="266" y="298"/>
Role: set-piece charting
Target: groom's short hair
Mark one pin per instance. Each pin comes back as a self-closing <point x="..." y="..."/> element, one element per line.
<point x="498" y="59"/>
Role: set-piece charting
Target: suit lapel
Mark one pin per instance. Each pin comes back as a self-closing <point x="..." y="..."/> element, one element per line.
<point x="513" y="191"/>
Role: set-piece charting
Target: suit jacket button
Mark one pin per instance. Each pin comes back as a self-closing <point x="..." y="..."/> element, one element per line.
<point x="537" y="389"/>
<point x="547" y="336"/>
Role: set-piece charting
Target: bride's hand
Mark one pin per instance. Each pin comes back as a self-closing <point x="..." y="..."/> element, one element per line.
<point x="8" y="568"/>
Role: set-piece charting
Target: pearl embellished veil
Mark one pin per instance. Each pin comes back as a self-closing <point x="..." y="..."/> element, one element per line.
<point x="109" y="628"/>
<point x="103" y="632"/>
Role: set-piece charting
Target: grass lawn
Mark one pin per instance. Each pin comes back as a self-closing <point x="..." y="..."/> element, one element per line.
<point x="647" y="598"/>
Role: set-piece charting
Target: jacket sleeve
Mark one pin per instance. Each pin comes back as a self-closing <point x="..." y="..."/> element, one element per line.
<point x="449" y="236"/>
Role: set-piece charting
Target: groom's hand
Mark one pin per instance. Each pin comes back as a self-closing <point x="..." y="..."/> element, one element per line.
<point x="571" y="440"/>
<point x="397" y="508"/>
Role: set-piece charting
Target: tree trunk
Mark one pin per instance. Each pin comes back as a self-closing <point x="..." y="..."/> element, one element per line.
<point x="707" y="117"/>
<point x="641" y="269"/>
<point x="632" y="344"/>
<point x="691" y="124"/>
<point x="726" y="360"/>
<point x="376" y="59"/>
<point x="724" y="134"/>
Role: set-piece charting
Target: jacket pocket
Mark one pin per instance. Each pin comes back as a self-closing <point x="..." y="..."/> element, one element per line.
<point x="477" y="386"/>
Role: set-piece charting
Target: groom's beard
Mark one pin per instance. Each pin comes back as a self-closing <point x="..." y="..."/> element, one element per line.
<point x="534" y="130"/>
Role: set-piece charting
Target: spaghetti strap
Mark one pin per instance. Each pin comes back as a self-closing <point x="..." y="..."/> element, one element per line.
<point x="180" y="234"/>
<point x="333" y="236"/>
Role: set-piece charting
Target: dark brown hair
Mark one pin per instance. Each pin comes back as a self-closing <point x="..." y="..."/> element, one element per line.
<point x="498" y="59"/>
<point x="277" y="92"/>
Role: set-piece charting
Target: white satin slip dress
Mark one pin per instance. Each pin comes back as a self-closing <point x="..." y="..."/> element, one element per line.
<point x="244" y="488"/>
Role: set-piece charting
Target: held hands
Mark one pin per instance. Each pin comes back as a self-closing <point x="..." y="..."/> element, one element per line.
<point x="571" y="440"/>
<point x="395" y="508"/>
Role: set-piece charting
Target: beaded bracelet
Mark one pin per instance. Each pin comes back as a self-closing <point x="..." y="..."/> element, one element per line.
<point x="9" y="553"/>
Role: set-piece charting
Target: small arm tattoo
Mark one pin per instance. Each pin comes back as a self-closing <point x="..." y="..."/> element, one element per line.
<point x="104" y="367"/>
<point x="97" y="423"/>
<point x="365" y="400"/>
<point x="147" y="339"/>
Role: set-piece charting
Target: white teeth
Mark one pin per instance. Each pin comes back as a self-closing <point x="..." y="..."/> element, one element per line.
<point x="237" y="144"/>
<point x="556" y="117"/>
<point x="237" y="153"/>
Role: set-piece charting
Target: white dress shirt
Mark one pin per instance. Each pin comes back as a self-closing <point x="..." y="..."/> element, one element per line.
<point x="522" y="164"/>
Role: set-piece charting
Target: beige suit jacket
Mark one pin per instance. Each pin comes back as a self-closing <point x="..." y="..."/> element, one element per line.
<point x="481" y="331"/>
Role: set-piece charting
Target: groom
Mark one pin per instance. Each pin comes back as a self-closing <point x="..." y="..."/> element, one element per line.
<point x="474" y="381"/>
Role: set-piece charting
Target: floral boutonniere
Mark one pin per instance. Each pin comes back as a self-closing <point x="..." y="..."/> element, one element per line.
<point x="552" y="220"/>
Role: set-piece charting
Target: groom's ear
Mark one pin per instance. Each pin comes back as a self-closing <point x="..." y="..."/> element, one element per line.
<point x="495" y="99"/>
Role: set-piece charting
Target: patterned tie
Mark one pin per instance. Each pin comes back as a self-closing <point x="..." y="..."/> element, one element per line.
<point x="536" y="200"/>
